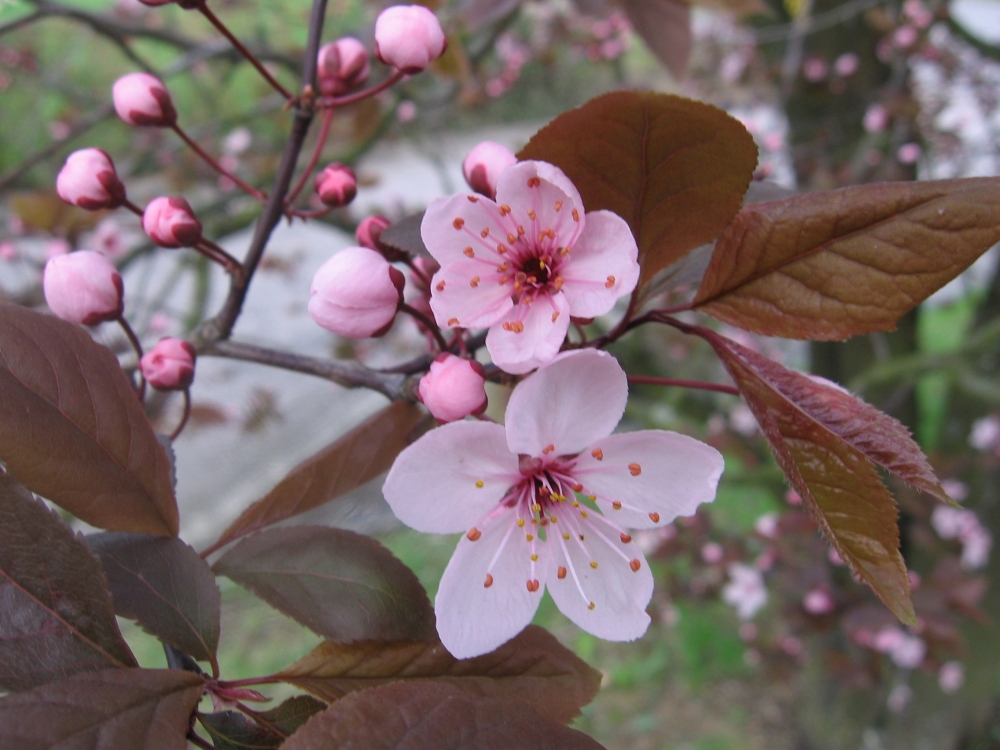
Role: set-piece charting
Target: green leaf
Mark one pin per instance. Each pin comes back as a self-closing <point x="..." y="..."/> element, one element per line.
<point x="830" y="265"/>
<point x="433" y="717"/>
<point x="231" y="730"/>
<point x="344" y="586"/>
<point x="357" y="457"/>
<point x="673" y="168"/>
<point x="533" y="666"/>
<point x="73" y="431"/>
<point x="825" y="441"/>
<point x="56" y="617"/>
<point x="164" y="585"/>
<point x="137" y="709"/>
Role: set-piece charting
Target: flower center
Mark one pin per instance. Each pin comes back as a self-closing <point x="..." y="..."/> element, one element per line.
<point x="536" y="271"/>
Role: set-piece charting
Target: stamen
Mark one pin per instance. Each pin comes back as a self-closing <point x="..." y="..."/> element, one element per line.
<point x="503" y="280"/>
<point x="511" y="239"/>
<point x="504" y="209"/>
<point x="566" y="537"/>
<point x="558" y="205"/>
<point x="534" y="182"/>
<point x="555" y="316"/>
<point x="473" y="199"/>
<point x="557" y="284"/>
<point x="486" y="233"/>
<point x="583" y="514"/>
<point x="593" y="564"/>
<point x="488" y="582"/>
<point x="474" y="282"/>
<point x="616" y="505"/>
<point x="598" y="454"/>
<point x="474" y="534"/>
<point x="635" y="565"/>
<point x="654" y="517"/>
<point x="635" y="469"/>
<point x="480" y="483"/>
<point x="564" y="251"/>
<point x="561" y="573"/>
<point x="576" y="215"/>
<point x="548" y="449"/>
<point x="440" y="286"/>
<point x="591" y="606"/>
<point x="520" y="522"/>
<point x="520" y="230"/>
<point x="503" y="267"/>
<point x="530" y="537"/>
<point x="453" y="321"/>
<point x="532" y="586"/>
<point x="610" y="282"/>
<point x="626" y="538"/>
<point x="458" y="223"/>
<point x="532" y="215"/>
<point x="502" y="249"/>
<point x="469" y="252"/>
<point x="534" y="557"/>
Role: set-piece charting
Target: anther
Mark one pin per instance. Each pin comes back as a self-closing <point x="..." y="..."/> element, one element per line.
<point x="548" y="449"/>
<point x="616" y="505"/>
<point x="472" y="198"/>
<point x="598" y="454"/>
<point x="502" y="250"/>
<point x="469" y="252"/>
<point x="503" y="280"/>
<point x="626" y="538"/>
<point x="520" y="229"/>
<point x="480" y="483"/>
<point x="561" y="573"/>
<point x="564" y="251"/>
<point x="453" y="321"/>
<point x="458" y="223"/>
<point x="534" y="182"/>
<point x="591" y="606"/>
<point x="555" y="316"/>
<point x="530" y="537"/>
<point x="566" y="537"/>
<point x="517" y="326"/>
<point x="576" y="215"/>
<point x="592" y="498"/>
<point x="532" y="215"/>
<point x="582" y="538"/>
<point x="488" y="582"/>
<point x="654" y="517"/>
<point x="486" y="233"/>
<point x="578" y="487"/>
<point x="610" y="282"/>
<point x="474" y="534"/>
<point x="558" y="205"/>
<point x="532" y="586"/>
<point x="503" y="267"/>
<point x="635" y="469"/>
<point x="536" y="507"/>
<point x="474" y="282"/>
<point x="593" y="564"/>
<point x="511" y="239"/>
<point x="520" y="522"/>
<point x="557" y="284"/>
<point x="583" y="514"/>
<point x="439" y="286"/>
<point x="504" y="209"/>
<point x="576" y="504"/>
<point x="534" y="558"/>
<point x="506" y="325"/>
<point x="635" y="565"/>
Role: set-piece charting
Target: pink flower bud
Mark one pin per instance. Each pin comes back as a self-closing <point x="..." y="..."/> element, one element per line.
<point x="83" y="287"/>
<point x="369" y="230"/>
<point x="356" y="293"/>
<point x="343" y="64"/>
<point x="88" y="179"/>
<point x="453" y="388"/>
<point x="169" y="366"/>
<point x="483" y="165"/>
<point x="428" y="267"/>
<point x="142" y="99"/>
<point x="408" y="37"/>
<point x="170" y="222"/>
<point x="336" y="185"/>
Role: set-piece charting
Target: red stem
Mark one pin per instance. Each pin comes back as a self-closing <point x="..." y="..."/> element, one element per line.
<point x="133" y="208"/>
<point x="718" y="387"/>
<point x="339" y="101"/>
<point x="218" y="167"/>
<point x="429" y="324"/>
<point x="177" y="431"/>
<point x="134" y="340"/>
<point x="324" y="131"/>
<point x="249" y="681"/>
<point x="215" y="253"/>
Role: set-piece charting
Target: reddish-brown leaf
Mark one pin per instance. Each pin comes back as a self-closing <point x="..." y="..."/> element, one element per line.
<point x="344" y="586"/>
<point x="231" y="730"/>
<point x="116" y="709"/>
<point x="533" y="666"/>
<point x="830" y="265"/>
<point x="433" y="717"/>
<point x="673" y="168"/>
<point x="164" y="585"/>
<point x="665" y="27"/>
<point x="73" y="431"/>
<point x="360" y="455"/>
<point x="56" y="617"/>
<point x="821" y="443"/>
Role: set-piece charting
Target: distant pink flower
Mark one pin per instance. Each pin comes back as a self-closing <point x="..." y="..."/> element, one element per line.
<point x="545" y="502"/>
<point x="876" y="118"/>
<point x="846" y="65"/>
<point x="521" y="266"/>
<point x="712" y="553"/>
<point x="818" y="602"/>
<point x="951" y="676"/>
<point x="908" y="153"/>
<point x="408" y="37"/>
<point x="899" y="698"/>
<point x="985" y="433"/>
<point x="108" y="240"/>
<point x="815" y="69"/>
<point x="745" y="591"/>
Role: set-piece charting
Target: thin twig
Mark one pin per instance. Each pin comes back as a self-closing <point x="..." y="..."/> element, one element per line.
<point x="184" y="418"/>
<point x="700" y="385"/>
<point x="340" y="101"/>
<point x="210" y="160"/>
<point x="134" y="341"/>
<point x="19" y="22"/>
<point x="429" y="324"/>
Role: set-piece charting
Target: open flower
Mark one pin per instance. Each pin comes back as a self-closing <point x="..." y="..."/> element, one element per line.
<point x="547" y="501"/>
<point x="522" y="265"/>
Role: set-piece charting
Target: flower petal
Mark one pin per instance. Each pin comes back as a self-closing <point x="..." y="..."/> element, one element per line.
<point x="602" y="266"/>
<point x="570" y="403"/>
<point x="655" y="475"/>
<point x="434" y="484"/>
<point x="552" y="201"/>
<point x="545" y="324"/>
<point x="619" y="587"/>
<point x="462" y="223"/>
<point x="474" y="619"/>
<point x="467" y="291"/>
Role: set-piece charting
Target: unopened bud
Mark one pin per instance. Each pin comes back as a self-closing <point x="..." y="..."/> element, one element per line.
<point x="369" y="230"/>
<point x="336" y="185"/>
<point x="408" y="37"/>
<point x="142" y="99"/>
<point x="356" y="293"/>
<point x="169" y="366"/>
<point x="453" y="388"/>
<point x="342" y="65"/>
<point x="483" y="165"/>
<point x="83" y="287"/>
<point x="88" y="179"/>
<point x="170" y="222"/>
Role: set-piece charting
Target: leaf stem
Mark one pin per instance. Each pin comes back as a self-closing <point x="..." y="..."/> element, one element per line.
<point x="194" y="739"/>
<point x="701" y="385"/>
<point x="245" y="187"/>
<point x="270" y="679"/>
<point x="134" y="341"/>
<point x="340" y="101"/>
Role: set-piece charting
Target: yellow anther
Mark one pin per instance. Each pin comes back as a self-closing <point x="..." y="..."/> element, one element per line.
<point x="480" y="483"/>
<point x="593" y="564"/>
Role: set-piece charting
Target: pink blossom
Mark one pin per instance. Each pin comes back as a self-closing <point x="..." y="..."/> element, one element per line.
<point x="815" y="69"/>
<point x="8" y="251"/>
<point x="524" y="264"/>
<point x="846" y="65"/>
<point x="342" y="65"/>
<point x="453" y="388"/>
<point x="369" y="229"/>
<point x="745" y="591"/>
<point x="408" y="37"/>
<point x="545" y="502"/>
<point x="904" y="37"/>
<point x="899" y="698"/>
<point x="951" y="676"/>
<point x="336" y="185"/>
<point x="908" y="153"/>
<point x="169" y="366"/>
<point x="906" y="650"/>
<point x="83" y="287"/>
<point x="818" y="601"/>
<point x="483" y="165"/>
<point x="767" y="525"/>
<point x="88" y="179"/>
<point x="985" y="433"/>
<point x="956" y="489"/>
<point x="142" y="99"/>
<point x="107" y="239"/>
<point x="356" y="293"/>
<point x="406" y="111"/>
<point x="170" y="222"/>
<point x="712" y="553"/>
<point x="876" y="118"/>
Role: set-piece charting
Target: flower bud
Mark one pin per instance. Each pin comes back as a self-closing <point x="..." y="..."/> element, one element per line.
<point x="343" y="64"/>
<point x="336" y="185"/>
<point x="170" y="222"/>
<point x="369" y="230"/>
<point x="483" y="165"/>
<point x="169" y="366"/>
<point x="427" y="267"/>
<point x="453" y="388"/>
<point x="142" y="99"/>
<point x="88" y="179"/>
<point x="408" y="37"/>
<point x="356" y="293"/>
<point x="83" y="287"/>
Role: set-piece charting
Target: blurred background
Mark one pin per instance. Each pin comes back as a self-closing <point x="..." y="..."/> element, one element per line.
<point x="760" y="638"/>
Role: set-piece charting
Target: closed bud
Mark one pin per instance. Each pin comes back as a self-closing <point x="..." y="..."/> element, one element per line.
<point x="170" y="222"/>
<point x="336" y="185"/>
<point x="453" y="388"/>
<point x="369" y="230"/>
<point x="169" y="366"/>
<point x="483" y="165"/>
<point x="88" y="179"/>
<point x="83" y="287"/>
<point x="142" y="99"/>
<point x="408" y="37"/>
<point x="356" y="293"/>
<point x="342" y="65"/>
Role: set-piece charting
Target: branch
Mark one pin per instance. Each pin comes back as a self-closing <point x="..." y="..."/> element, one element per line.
<point x="19" y="22"/>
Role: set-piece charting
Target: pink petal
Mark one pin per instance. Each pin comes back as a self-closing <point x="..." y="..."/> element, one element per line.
<point x="553" y="200"/>
<point x="604" y="254"/>
<point x="656" y="475"/>
<point x="569" y="404"/>
<point x="454" y="298"/>
<point x="454" y="226"/>
<point x="433" y="486"/>
<point x="545" y="324"/>
<point x="474" y="619"/>
<point x="619" y="593"/>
